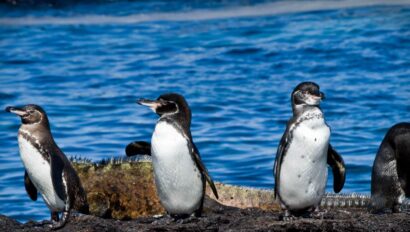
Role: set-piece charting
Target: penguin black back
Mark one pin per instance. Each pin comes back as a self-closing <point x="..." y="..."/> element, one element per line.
<point x="391" y="174"/>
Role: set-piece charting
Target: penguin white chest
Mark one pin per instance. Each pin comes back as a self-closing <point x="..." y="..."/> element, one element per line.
<point x="303" y="174"/>
<point x="177" y="178"/>
<point x="39" y="171"/>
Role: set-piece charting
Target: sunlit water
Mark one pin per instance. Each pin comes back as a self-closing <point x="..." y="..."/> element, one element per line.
<point x="86" y="64"/>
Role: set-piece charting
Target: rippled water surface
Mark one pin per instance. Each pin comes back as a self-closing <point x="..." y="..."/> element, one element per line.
<point x="86" y="64"/>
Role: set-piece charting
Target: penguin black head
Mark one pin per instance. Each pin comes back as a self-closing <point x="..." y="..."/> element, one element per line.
<point x="167" y="104"/>
<point x="307" y="93"/>
<point x="29" y="114"/>
<point x="171" y="106"/>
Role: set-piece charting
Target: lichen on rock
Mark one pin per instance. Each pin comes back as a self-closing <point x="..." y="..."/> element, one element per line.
<point x="119" y="188"/>
<point x="124" y="188"/>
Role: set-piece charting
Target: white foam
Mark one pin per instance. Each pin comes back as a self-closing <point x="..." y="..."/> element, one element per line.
<point x="276" y="8"/>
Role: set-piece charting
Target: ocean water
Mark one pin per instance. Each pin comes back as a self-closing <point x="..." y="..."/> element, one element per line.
<point x="235" y="62"/>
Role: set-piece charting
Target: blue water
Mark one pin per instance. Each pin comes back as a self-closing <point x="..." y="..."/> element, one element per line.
<point x="236" y="63"/>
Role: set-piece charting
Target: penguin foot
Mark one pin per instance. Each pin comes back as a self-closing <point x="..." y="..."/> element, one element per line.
<point x="157" y="216"/>
<point x="288" y="217"/>
<point x="54" y="217"/>
<point x="42" y="223"/>
<point x="57" y="225"/>
<point x="60" y="224"/>
<point x="190" y="219"/>
<point x="163" y="220"/>
<point x="317" y="214"/>
<point x="397" y="208"/>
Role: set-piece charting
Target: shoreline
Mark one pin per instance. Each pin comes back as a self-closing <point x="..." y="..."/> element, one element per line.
<point x="122" y="197"/>
<point x="222" y="218"/>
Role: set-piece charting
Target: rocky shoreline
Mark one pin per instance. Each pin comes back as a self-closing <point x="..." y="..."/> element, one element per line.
<point x="122" y="197"/>
<point x="222" y="218"/>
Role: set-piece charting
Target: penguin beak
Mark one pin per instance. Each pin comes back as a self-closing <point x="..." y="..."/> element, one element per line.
<point x="153" y="105"/>
<point x="318" y="96"/>
<point x="315" y="97"/>
<point x="322" y="96"/>
<point x="15" y="110"/>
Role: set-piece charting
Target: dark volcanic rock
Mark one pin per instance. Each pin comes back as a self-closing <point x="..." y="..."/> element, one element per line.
<point x="223" y="218"/>
<point x="124" y="189"/>
<point x="7" y="223"/>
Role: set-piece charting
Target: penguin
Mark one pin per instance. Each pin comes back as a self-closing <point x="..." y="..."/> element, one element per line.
<point x="178" y="170"/>
<point x="390" y="182"/>
<point x="47" y="169"/>
<point x="300" y="168"/>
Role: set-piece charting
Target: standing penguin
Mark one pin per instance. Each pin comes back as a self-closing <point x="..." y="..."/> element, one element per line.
<point x="391" y="174"/>
<point x="178" y="170"/>
<point x="303" y="154"/>
<point x="47" y="169"/>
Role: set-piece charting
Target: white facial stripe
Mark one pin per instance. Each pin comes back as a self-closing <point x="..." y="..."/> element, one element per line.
<point x="41" y="119"/>
<point x="175" y="112"/>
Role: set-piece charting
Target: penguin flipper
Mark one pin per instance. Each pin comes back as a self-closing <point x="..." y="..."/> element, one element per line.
<point x="66" y="182"/>
<point x="75" y="191"/>
<point x="138" y="148"/>
<point x="30" y="188"/>
<point x="338" y="168"/>
<point x="195" y="155"/>
<point x="284" y="142"/>
<point x="57" y="165"/>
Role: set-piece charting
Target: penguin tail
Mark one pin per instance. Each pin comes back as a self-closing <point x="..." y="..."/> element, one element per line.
<point x="138" y="148"/>
<point x="81" y="204"/>
<point x="84" y="209"/>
